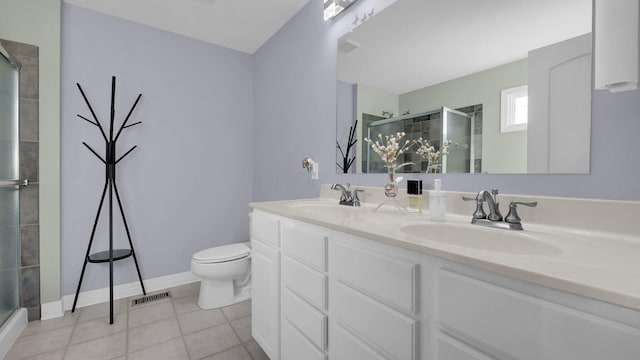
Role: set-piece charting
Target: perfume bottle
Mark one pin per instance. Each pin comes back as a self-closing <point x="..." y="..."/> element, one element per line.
<point x="414" y="195"/>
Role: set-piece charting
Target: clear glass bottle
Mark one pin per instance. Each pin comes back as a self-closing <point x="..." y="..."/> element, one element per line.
<point x="437" y="202"/>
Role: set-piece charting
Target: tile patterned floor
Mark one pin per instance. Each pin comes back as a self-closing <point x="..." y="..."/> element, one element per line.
<point x="167" y="329"/>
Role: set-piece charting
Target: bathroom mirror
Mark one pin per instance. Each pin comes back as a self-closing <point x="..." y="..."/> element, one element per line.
<point x="406" y="67"/>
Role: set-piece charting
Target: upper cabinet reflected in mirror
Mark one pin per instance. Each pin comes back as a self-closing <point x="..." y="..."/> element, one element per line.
<point x="507" y="82"/>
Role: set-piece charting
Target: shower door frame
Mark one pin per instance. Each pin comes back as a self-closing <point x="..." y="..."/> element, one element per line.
<point x="26" y="57"/>
<point x="445" y="136"/>
<point x="9" y="186"/>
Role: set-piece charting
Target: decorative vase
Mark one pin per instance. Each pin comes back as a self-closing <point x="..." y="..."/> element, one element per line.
<point x="391" y="189"/>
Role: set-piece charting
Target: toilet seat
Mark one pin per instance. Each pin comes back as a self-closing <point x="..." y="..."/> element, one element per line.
<point x="221" y="254"/>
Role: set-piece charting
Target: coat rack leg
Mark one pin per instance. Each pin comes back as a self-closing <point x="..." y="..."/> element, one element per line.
<point x="111" y="251"/>
<point x="126" y="228"/>
<point x="86" y="257"/>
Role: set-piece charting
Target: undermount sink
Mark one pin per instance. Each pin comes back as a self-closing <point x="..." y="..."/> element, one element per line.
<point x="476" y="237"/>
<point x="324" y="207"/>
<point x="313" y="204"/>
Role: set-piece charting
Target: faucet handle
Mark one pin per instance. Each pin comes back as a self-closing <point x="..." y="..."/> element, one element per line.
<point x="479" y="212"/>
<point x="512" y="216"/>
<point x="356" y="199"/>
<point x="529" y="204"/>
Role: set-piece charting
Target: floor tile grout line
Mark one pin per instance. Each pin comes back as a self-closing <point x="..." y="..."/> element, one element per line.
<point x="75" y="324"/>
<point x="184" y="341"/>
<point x="126" y="333"/>
<point x="190" y="311"/>
<point x="105" y="318"/>
<point x="153" y="322"/>
<point x="242" y="343"/>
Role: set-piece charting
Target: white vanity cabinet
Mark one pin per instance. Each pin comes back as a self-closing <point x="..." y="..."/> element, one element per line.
<point x="323" y="294"/>
<point x="304" y="291"/>
<point x="265" y="282"/>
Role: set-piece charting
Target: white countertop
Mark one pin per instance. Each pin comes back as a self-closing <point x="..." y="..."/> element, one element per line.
<point x="594" y="264"/>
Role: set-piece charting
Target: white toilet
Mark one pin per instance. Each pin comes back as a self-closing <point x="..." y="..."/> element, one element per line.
<point x="226" y="274"/>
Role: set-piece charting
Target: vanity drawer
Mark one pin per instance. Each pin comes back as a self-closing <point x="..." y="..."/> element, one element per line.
<point x="265" y="228"/>
<point x="389" y="330"/>
<point x="345" y="346"/>
<point x="304" y="281"/>
<point x="296" y="347"/>
<point x="305" y="244"/>
<point x="521" y="326"/>
<point x="307" y="319"/>
<point x="390" y="279"/>
<point x="450" y="349"/>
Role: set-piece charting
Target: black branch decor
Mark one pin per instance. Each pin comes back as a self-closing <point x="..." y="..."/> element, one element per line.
<point x="347" y="159"/>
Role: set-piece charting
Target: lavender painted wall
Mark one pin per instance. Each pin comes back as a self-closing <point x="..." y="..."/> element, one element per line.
<point x="223" y="128"/>
<point x="294" y="94"/>
<point x="188" y="184"/>
<point x="294" y="108"/>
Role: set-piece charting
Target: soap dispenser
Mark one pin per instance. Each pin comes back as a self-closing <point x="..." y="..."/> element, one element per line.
<point x="437" y="202"/>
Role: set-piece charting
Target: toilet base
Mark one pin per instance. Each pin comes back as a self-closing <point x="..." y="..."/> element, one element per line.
<point x="215" y="294"/>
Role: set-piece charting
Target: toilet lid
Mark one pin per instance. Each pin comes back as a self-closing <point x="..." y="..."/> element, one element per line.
<point x="222" y="253"/>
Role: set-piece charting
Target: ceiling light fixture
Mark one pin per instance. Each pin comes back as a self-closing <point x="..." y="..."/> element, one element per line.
<point x="334" y="7"/>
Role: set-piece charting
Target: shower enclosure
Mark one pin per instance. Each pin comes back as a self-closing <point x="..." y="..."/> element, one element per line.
<point x="433" y="126"/>
<point x="9" y="186"/>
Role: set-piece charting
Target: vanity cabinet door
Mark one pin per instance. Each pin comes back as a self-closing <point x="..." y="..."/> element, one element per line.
<point x="509" y="324"/>
<point x="265" y="303"/>
<point x="373" y="300"/>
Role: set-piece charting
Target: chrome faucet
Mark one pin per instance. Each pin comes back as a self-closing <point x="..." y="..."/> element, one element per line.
<point x="346" y="197"/>
<point x="512" y="221"/>
<point x="491" y="198"/>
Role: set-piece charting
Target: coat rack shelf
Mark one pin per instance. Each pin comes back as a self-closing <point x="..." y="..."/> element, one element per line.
<point x="103" y="256"/>
<point x="110" y="160"/>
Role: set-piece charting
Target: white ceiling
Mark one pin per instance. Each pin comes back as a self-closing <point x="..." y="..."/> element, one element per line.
<point x="415" y="43"/>
<point x="242" y="25"/>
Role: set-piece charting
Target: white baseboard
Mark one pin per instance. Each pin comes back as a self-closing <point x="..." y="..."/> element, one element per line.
<point x="11" y="330"/>
<point x="92" y="297"/>
<point x="51" y="310"/>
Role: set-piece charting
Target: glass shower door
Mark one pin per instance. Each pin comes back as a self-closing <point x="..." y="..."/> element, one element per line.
<point x="9" y="185"/>
<point x="456" y="126"/>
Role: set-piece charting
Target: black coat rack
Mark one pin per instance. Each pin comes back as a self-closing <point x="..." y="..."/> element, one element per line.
<point x="110" y="163"/>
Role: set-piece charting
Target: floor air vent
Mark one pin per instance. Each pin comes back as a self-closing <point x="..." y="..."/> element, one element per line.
<point x="149" y="298"/>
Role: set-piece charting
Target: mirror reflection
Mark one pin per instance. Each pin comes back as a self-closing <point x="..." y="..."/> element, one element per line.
<point x="506" y="83"/>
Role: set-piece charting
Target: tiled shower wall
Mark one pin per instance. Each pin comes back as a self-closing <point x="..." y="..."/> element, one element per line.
<point x="420" y="127"/>
<point x="27" y="58"/>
